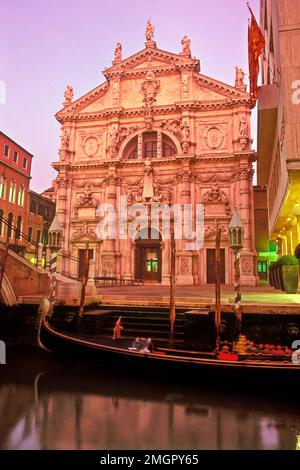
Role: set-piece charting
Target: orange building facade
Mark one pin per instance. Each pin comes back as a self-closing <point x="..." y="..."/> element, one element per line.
<point x="15" y="169"/>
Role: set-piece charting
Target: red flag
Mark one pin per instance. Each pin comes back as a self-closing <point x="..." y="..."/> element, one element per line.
<point x="256" y="44"/>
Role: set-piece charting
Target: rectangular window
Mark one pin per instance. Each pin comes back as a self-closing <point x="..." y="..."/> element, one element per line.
<point x="41" y="210"/>
<point x="2" y="188"/>
<point x="6" y="150"/>
<point x="33" y="207"/>
<point x="24" y="163"/>
<point x="30" y="233"/>
<point x="38" y="236"/>
<point x="15" y="157"/>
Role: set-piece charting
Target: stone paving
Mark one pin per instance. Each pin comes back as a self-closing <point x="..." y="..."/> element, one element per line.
<point x="259" y="299"/>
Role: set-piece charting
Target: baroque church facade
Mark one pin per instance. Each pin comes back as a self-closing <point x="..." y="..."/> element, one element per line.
<point x="156" y="118"/>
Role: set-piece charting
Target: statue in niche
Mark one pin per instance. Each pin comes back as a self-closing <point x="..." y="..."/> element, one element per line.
<point x="243" y="127"/>
<point x="148" y="190"/>
<point x="65" y="140"/>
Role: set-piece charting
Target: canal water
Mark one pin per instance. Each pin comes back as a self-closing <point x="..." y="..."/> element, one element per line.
<point x="49" y="402"/>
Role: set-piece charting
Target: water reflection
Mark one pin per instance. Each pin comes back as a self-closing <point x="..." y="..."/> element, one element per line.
<point x="46" y="404"/>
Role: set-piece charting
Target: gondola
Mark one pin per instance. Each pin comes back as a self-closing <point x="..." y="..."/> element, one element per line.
<point x="165" y="360"/>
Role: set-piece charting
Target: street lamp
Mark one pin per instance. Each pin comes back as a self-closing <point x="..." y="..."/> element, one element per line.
<point x="236" y="243"/>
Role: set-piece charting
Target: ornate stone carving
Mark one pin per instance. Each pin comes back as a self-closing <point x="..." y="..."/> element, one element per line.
<point x="165" y="196"/>
<point x="185" y="265"/>
<point x="84" y="230"/>
<point x="133" y="181"/>
<point x="65" y="140"/>
<point x="150" y="87"/>
<point x="185" y="137"/>
<point x="247" y="265"/>
<point x="118" y="52"/>
<point x="168" y="180"/>
<point x="215" y="194"/>
<point x="116" y="92"/>
<point x="185" y="84"/>
<point x="61" y="182"/>
<point x="245" y="174"/>
<point x="214" y="178"/>
<point x="117" y="135"/>
<point x="239" y="79"/>
<point x="211" y="231"/>
<point x="173" y="126"/>
<point x="186" y="46"/>
<point x="90" y="145"/>
<point x="86" y="199"/>
<point x="79" y="184"/>
<point x="108" y="263"/>
<point x="135" y="196"/>
<point x="69" y="93"/>
<point x="184" y="176"/>
<point x="214" y="136"/>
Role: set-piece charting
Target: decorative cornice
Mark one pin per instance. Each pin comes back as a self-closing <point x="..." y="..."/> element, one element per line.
<point x="85" y="100"/>
<point x="156" y="110"/>
<point x="177" y="62"/>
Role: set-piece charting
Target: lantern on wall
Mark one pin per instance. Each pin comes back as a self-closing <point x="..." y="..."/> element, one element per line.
<point x="236" y="232"/>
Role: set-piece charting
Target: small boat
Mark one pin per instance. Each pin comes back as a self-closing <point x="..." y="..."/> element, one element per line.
<point x="162" y="360"/>
<point x="122" y="351"/>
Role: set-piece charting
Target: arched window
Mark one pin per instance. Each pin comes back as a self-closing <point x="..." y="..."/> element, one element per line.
<point x="9" y="226"/>
<point x="1" y="222"/>
<point x="12" y="192"/>
<point x="2" y="187"/>
<point x="150" y="147"/>
<point x="19" y="227"/>
<point x="21" y="194"/>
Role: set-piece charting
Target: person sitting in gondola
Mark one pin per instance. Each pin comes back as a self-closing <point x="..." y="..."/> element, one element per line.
<point x="117" y="329"/>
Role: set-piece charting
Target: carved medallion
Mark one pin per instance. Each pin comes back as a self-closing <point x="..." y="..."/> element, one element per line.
<point x="91" y="146"/>
<point x="214" y="137"/>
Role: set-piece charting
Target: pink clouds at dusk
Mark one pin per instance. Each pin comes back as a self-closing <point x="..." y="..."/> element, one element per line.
<point x="45" y="45"/>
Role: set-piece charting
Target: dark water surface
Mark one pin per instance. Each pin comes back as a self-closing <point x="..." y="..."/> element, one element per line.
<point x="48" y="402"/>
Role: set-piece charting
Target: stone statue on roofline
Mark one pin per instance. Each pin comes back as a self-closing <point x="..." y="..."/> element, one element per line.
<point x="69" y="93"/>
<point x="149" y="31"/>
<point x="186" y="45"/>
<point x="239" y="79"/>
<point x="118" y="52"/>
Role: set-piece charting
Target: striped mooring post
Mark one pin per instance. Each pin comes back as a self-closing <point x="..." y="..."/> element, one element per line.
<point x="237" y="292"/>
<point x="53" y="281"/>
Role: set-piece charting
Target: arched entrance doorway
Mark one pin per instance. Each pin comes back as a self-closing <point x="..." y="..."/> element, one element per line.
<point x="148" y="259"/>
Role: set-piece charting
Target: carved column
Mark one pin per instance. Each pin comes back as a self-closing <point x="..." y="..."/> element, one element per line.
<point x="140" y="145"/>
<point x="159" y="144"/>
<point x="61" y="210"/>
<point x="184" y="258"/>
<point x="109" y="252"/>
<point x="248" y="253"/>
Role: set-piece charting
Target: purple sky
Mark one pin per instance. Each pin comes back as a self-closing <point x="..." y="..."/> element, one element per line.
<point x="47" y="44"/>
